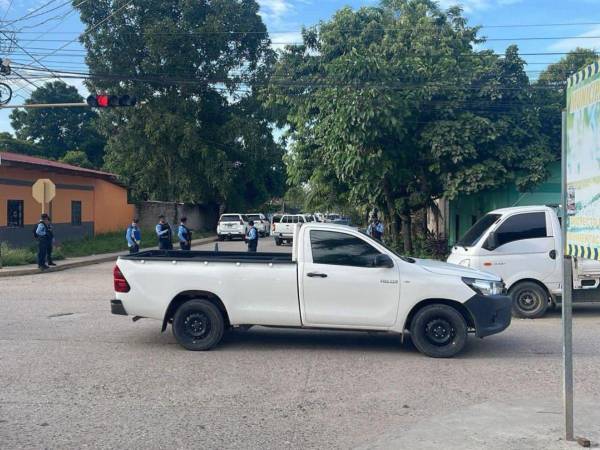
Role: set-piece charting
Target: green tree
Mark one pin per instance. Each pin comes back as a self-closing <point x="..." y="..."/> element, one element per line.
<point x="392" y="106"/>
<point x="77" y="158"/>
<point x="58" y="130"/>
<point x="551" y="92"/>
<point x="199" y="135"/>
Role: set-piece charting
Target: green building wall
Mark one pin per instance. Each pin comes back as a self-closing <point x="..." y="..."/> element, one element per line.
<point x="465" y="210"/>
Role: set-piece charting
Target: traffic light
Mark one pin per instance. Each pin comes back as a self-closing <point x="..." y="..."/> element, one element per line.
<point x="110" y="101"/>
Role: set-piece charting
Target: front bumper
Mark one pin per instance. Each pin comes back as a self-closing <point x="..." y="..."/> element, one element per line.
<point x="116" y="307"/>
<point x="491" y="314"/>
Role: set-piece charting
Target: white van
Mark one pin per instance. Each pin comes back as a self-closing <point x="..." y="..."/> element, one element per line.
<point x="523" y="246"/>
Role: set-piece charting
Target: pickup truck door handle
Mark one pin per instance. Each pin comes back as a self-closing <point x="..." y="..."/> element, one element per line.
<point x="316" y="274"/>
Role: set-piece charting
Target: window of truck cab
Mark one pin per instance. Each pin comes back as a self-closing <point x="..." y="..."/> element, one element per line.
<point x="522" y="226"/>
<point x="341" y="249"/>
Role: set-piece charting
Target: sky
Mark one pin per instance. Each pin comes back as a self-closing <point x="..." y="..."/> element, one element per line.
<point x="48" y="35"/>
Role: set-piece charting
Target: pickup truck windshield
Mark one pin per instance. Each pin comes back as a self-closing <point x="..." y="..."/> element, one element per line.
<point x="472" y="236"/>
<point x="407" y="259"/>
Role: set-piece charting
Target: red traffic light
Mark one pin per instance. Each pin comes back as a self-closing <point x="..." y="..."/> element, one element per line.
<point x="108" y="101"/>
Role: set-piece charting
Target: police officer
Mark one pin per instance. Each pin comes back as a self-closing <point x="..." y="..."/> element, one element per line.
<point x="375" y="229"/>
<point x="50" y="241"/>
<point x="185" y="235"/>
<point x="41" y="234"/>
<point x="252" y="237"/>
<point x="164" y="233"/>
<point x="133" y="236"/>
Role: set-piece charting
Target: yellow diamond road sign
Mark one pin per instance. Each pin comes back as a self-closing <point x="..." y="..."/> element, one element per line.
<point x="43" y="191"/>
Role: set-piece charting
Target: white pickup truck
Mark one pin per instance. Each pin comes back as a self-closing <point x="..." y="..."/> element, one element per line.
<point x="335" y="278"/>
<point x="523" y="245"/>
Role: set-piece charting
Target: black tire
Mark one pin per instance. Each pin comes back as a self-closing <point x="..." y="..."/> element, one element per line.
<point x="529" y="300"/>
<point x="277" y="242"/>
<point x="439" y="331"/>
<point x="221" y="238"/>
<point x="198" y="325"/>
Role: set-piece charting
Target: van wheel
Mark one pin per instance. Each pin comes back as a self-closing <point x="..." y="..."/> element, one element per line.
<point x="198" y="325"/>
<point x="277" y="241"/>
<point x="221" y="238"/>
<point x="439" y="331"/>
<point x="529" y="300"/>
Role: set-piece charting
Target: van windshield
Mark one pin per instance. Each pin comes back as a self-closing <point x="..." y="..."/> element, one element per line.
<point x="472" y="236"/>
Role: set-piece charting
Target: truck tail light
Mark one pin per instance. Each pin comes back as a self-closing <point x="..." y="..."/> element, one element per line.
<point x="121" y="284"/>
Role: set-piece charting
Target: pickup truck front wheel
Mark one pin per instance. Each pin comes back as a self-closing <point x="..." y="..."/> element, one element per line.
<point x="439" y="331"/>
<point x="198" y="325"/>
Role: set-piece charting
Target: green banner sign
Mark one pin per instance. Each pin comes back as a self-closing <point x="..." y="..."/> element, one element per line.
<point x="583" y="163"/>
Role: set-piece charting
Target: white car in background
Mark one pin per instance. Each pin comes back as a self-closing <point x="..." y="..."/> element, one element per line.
<point x="261" y="223"/>
<point x="232" y="225"/>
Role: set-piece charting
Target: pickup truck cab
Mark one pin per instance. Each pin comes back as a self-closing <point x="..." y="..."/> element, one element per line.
<point x="523" y="245"/>
<point x="232" y="225"/>
<point x="335" y="278"/>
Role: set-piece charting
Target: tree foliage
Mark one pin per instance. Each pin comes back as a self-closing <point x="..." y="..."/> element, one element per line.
<point x="199" y="134"/>
<point x="552" y="91"/>
<point x="59" y="130"/>
<point x="393" y="106"/>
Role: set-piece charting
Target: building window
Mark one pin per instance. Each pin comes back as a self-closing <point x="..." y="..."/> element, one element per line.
<point x="15" y="213"/>
<point x="75" y="213"/>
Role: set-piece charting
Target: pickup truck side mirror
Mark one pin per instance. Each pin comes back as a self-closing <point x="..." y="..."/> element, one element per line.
<point x="491" y="242"/>
<point x="383" y="261"/>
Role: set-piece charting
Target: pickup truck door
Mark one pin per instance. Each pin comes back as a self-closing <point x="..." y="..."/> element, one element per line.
<point x="340" y="287"/>
<point x="526" y="248"/>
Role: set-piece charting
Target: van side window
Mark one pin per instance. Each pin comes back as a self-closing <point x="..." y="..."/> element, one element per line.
<point x="341" y="249"/>
<point x="522" y="226"/>
<point x="285" y="219"/>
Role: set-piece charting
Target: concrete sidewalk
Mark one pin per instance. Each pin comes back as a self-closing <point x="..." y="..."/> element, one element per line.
<point x="69" y="263"/>
<point x="533" y="424"/>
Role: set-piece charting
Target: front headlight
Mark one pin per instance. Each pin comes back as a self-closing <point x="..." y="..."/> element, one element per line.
<point x="485" y="287"/>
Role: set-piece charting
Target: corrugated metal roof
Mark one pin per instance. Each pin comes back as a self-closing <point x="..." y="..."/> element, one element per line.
<point x="45" y="163"/>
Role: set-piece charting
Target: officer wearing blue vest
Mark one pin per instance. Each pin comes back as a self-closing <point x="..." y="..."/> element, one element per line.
<point x="43" y="234"/>
<point x="164" y="233"/>
<point x="185" y="235"/>
<point x="133" y="236"/>
<point x="252" y="237"/>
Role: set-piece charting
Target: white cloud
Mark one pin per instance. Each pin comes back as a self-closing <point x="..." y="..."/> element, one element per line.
<point x="274" y="10"/>
<point x="582" y="40"/>
<point x="477" y="5"/>
<point x="280" y="40"/>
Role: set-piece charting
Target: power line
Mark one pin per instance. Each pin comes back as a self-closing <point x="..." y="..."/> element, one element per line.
<point x="32" y="14"/>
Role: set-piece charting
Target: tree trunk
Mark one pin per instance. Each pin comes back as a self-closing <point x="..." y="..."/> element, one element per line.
<point x="407" y="233"/>
<point x="393" y="216"/>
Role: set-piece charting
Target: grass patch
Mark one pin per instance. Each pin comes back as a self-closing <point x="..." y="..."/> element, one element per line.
<point x="22" y="256"/>
<point x="113" y="242"/>
<point x="94" y="245"/>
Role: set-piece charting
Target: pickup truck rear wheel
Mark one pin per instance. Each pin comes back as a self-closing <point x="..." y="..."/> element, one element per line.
<point x="529" y="300"/>
<point x="198" y="325"/>
<point x="439" y="331"/>
<point x="277" y="241"/>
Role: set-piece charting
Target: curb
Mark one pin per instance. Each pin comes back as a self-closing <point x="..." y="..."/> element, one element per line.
<point x="71" y="265"/>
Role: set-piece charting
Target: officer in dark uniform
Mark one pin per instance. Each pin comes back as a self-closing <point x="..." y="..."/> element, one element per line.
<point x="164" y="233"/>
<point x="50" y="241"/>
<point x="41" y="234"/>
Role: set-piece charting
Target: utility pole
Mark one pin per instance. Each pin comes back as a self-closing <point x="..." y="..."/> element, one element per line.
<point x="567" y="299"/>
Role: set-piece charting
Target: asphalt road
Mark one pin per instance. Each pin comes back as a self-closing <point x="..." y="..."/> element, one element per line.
<point x="74" y="376"/>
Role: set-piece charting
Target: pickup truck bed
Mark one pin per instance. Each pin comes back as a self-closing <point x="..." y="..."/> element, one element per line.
<point x="201" y="256"/>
